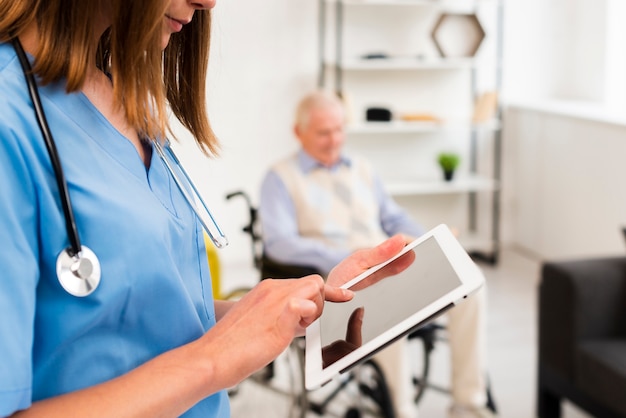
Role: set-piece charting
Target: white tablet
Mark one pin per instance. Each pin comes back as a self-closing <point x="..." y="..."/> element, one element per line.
<point x="436" y="274"/>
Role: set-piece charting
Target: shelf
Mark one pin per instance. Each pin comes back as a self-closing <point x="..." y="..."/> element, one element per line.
<point x="401" y="127"/>
<point x="405" y="63"/>
<point x="389" y="2"/>
<point x="424" y="187"/>
<point x="439" y="3"/>
<point x="393" y="127"/>
<point x="375" y="72"/>
<point x="448" y="41"/>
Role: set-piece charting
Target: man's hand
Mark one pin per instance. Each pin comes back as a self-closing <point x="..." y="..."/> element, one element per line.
<point x="362" y="260"/>
<point x="338" y="349"/>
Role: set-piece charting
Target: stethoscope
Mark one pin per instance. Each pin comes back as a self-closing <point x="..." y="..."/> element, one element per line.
<point x="77" y="267"/>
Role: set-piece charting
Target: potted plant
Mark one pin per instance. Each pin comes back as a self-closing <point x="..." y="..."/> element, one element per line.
<point x="448" y="161"/>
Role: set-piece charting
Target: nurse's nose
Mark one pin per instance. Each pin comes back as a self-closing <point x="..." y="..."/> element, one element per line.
<point x="202" y="4"/>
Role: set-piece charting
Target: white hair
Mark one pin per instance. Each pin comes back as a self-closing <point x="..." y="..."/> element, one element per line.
<point x="319" y="99"/>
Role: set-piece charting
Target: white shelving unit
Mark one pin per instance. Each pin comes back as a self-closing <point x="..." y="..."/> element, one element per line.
<point x="405" y="63"/>
<point x="470" y="183"/>
<point x="391" y="62"/>
<point x="397" y="127"/>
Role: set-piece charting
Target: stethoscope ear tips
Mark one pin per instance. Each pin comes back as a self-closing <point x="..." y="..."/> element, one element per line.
<point x="78" y="274"/>
<point x="219" y="241"/>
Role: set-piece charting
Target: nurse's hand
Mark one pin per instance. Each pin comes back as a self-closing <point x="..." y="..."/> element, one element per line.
<point x="259" y="327"/>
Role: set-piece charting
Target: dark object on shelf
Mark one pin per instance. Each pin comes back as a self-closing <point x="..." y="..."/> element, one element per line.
<point x="375" y="56"/>
<point x="582" y="337"/>
<point x="458" y="34"/>
<point x="377" y="114"/>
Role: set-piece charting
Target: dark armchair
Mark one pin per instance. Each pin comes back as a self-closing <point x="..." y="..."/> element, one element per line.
<point x="582" y="337"/>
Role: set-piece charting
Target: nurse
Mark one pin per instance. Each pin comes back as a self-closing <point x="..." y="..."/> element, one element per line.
<point x="150" y="340"/>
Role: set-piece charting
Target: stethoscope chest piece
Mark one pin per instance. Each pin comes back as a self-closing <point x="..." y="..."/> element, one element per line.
<point x="79" y="274"/>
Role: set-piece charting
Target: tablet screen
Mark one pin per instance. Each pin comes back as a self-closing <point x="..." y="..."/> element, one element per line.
<point x="389" y="302"/>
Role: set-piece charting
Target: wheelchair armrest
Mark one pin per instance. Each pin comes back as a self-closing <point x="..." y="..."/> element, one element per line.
<point x="275" y="270"/>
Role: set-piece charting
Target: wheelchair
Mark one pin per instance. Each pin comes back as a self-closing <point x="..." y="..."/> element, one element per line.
<point x="360" y="393"/>
<point x="365" y="387"/>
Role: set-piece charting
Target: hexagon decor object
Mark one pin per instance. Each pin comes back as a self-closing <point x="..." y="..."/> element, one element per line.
<point x="458" y="34"/>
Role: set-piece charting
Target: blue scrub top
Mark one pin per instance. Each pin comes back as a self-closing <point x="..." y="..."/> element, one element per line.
<point x="155" y="293"/>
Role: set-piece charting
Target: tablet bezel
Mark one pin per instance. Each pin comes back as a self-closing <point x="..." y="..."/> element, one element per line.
<point x="467" y="272"/>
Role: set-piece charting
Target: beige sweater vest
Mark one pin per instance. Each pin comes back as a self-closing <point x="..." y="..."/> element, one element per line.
<point x="337" y="206"/>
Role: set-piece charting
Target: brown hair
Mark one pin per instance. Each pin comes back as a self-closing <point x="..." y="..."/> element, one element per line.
<point x="145" y="78"/>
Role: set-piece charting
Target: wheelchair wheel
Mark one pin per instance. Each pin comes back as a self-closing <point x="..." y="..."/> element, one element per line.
<point x="361" y="393"/>
<point x="276" y="391"/>
<point x="423" y="342"/>
<point x="420" y="377"/>
<point x="373" y="386"/>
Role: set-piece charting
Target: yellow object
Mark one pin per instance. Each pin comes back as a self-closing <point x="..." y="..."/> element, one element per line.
<point x="214" y="266"/>
<point x="486" y="107"/>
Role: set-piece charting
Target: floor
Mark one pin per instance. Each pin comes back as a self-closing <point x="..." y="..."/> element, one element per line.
<point x="512" y="291"/>
<point x="511" y="350"/>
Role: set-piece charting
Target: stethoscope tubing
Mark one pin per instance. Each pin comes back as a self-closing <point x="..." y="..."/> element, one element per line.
<point x="70" y="222"/>
<point x="217" y="235"/>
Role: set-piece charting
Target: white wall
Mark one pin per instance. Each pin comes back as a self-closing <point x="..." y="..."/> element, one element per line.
<point x="555" y="49"/>
<point x="564" y="193"/>
<point x="263" y="57"/>
<point x="560" y="197"/>
<point x="565" y="127"/>
<point x="566" y="50"/>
